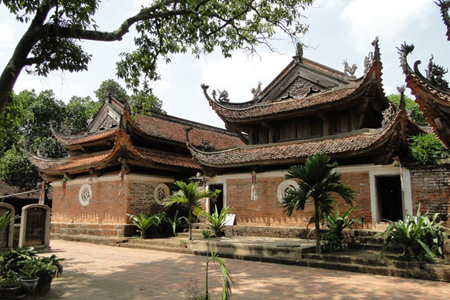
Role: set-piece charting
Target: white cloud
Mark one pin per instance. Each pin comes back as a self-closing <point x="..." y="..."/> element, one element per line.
<point x="385" y="18"/>
<point x="6" y="36"/>
<point x="240" y="74"/>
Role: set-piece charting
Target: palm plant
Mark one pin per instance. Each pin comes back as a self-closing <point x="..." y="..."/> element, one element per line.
<point x="189" y="195"/>
<point x="316" y="181"/>
<point x="175" y="222"/>
<point x="216" y="220"/>
<point x="227" y="281"/>
<point x="142" y="222"/>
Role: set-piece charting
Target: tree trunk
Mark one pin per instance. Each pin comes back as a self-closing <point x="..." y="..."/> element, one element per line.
<point x="190" y="224"/>
<point x="317" y="223"/>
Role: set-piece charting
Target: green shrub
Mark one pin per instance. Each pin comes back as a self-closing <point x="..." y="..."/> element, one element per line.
<point x="216" y="220"/>
<point x="419" y="237"/>
<point x="175" y="222"/>
<point x="426" y="149"/>
<point x="336" y="224"/>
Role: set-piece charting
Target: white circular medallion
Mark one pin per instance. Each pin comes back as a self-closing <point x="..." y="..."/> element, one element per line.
<point x="85" y="194"/>
<point x="286" y="185"/>
<point x="162" y="192"/>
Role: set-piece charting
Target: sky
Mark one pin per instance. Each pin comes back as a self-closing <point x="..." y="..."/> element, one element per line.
<point x="338" y="31"/>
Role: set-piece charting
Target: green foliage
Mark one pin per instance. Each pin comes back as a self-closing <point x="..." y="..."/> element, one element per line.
<point x="17" y="170"/>
<point x="144" y="103"/>
<point x="316" y="181"/>
<point x="5" y="219"/>
<point x="190" y="196"/>
<point x="142" y="222"/>
<point x="112" y="88"/>
<point x="426" y="149"/>
<point x="336" y="224"/>
<point x="25" y="263"/>
<point x="175" y="222"/>
<point x="412" y="108"/>
<point x="57" y="28"/>
<point x="206" y="234"/>
<point x="9" y="279"/>
<point x="216" y="220"/>
<point x="79" y="111"/>
<point x="420" y="237"/>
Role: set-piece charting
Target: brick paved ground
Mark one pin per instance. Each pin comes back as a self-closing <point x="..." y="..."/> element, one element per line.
<point x="97" y="272"/>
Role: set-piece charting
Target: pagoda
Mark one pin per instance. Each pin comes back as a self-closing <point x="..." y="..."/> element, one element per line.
<point x="122" y="164"/>
<point x="312" y="109"/>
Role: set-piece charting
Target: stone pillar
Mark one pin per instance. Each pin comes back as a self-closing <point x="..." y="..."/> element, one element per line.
<point x="4" y="208"/>
<point x="35" y="227"/>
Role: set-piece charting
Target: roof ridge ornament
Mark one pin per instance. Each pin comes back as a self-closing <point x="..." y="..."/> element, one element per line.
<point x="350" y="71"/>
<point x="257" y="91"/>
<point x="435" y="74"/>
<point x="444" y="7"/>
<point x="401" y="89"/>
<point x="388" y="114"/>
<point x="368" y="60"/>
<point x="376" y="51"/>
<point x="298" y="53"/>
<point x="223" y="96"/>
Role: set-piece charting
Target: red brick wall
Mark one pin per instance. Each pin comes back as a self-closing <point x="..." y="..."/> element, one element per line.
<point x="267" y="211"/>
<point x="431" y="188"/>
<point x="106" y="214"/>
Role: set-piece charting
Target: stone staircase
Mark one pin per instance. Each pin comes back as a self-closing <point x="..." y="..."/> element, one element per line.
<point x="361" y="255"/>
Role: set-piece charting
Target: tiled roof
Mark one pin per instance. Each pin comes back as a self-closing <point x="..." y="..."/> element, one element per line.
<point x="84" y="162"/>
<point x="432" y="100"/>
<point x="70" y="163"/>
<point x="278" y="152"/>
<point x="173" y="129"/>
<point x="170" y="159"/>
<point x="82" y="139"/>
<point x="233" y="112"/>
<point x="263" y="109"/>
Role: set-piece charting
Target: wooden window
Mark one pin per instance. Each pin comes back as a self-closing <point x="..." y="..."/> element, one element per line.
<point x="341" y="122"/>
<point x="261" y="135"/>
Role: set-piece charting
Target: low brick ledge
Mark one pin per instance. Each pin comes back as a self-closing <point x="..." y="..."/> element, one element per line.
<point x="101" y="240"/>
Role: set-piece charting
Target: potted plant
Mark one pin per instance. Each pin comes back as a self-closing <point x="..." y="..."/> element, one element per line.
<point x="10" y="287"/>
<point x="28" y="274"/>
<point x="50" y="268"/>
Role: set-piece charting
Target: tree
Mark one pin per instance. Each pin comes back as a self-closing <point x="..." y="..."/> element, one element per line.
<point x="112" y="88"/>
<point x="144" y="103"/>
<point x="316" y="181"/>
<point x="412" y="108"/>
<point x="32" y="116"/>
<point x="189" y="195"/>
<point x="79" y="112"/>
<point x="141" y="102"/>
<point x="426" y="149"/>
<point x="164" y="27"/>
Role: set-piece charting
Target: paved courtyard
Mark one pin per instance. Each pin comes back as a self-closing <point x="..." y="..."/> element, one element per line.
<point x="100" y="272"/>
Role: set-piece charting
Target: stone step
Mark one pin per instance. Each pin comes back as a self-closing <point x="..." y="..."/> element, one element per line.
<point x="368" y="258"/>
<point x="157" y="247"/>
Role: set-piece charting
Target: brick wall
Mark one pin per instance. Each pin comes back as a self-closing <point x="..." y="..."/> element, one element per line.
<point x="431" y="188"/>
<point x="106" y="214"/>
<point x="267" y="211"/>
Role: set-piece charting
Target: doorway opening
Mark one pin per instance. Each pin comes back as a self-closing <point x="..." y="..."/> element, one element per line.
<point x="219" y="199"/>
<point x="390" y="200"/>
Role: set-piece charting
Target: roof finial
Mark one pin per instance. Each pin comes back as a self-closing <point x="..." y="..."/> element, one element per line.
<point x="376" y="52"/>
<point x="401" y="89"/>
<point x="298" y="53"/>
